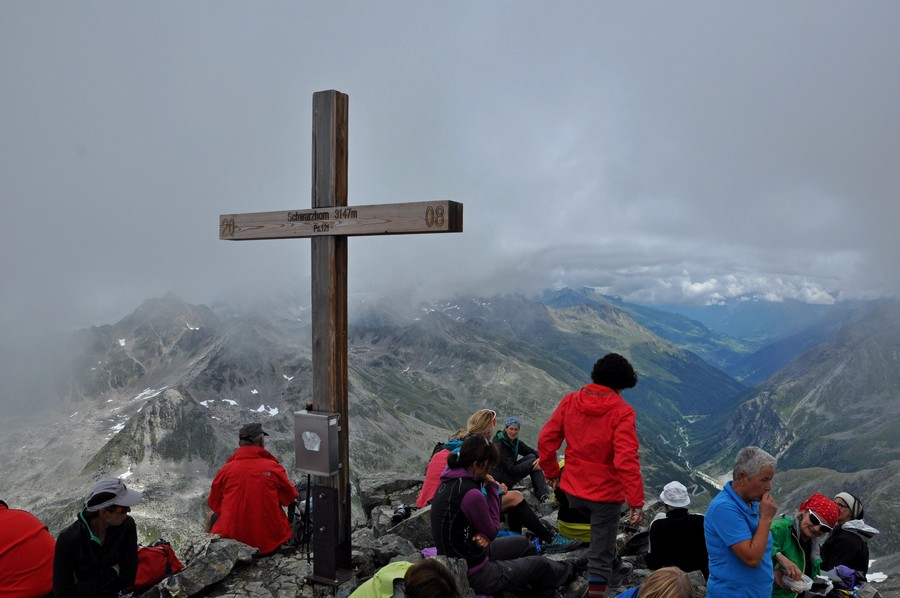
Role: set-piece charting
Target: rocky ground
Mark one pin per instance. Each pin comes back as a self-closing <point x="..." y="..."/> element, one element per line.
<point x="218" y="567"/>
<point x="225" y="568"/>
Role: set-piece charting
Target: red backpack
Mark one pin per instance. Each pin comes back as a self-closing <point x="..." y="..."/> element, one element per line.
<point x="155" y="563"/>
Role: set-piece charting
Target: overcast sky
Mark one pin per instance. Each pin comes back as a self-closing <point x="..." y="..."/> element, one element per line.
<point x="664" y="151"/>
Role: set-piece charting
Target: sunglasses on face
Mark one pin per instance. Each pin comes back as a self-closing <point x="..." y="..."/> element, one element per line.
<point x="814" y="519"/>
<point x="118" y="509"/>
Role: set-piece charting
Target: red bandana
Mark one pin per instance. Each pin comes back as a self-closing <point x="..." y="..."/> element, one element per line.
<point x="824" y="508"/>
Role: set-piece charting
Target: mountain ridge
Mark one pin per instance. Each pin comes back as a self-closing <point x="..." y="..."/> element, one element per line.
<point x="158" y="396"/>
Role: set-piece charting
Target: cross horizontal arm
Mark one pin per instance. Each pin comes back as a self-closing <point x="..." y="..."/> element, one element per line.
<point x="443" y="216"/>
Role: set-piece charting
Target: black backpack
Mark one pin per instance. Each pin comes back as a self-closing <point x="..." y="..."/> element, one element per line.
<point x="437" y="448"/>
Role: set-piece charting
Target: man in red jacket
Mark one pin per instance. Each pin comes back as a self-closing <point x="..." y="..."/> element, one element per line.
<point x="603" y="469"/>
<point x="249" y="492"/>
<point x="26" y="555"/>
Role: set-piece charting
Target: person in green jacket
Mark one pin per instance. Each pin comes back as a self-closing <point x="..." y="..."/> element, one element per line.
<point x="426" y="579"/>
<point x="795" y="543"/>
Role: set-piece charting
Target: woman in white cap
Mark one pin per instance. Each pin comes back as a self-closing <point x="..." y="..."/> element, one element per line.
<point x="848" y="545"/>
<point x="97" y="554"/>
<point x="676" y="536"/>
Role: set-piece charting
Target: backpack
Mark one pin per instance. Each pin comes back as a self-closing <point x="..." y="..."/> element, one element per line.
<point x="155" y="563"/>
<point x="437" y="448"/>
<point x="850" y="584"/>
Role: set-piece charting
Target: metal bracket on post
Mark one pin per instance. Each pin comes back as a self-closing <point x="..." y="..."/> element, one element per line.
<point x="325" y="533"/>
<point x="316" y="446"/>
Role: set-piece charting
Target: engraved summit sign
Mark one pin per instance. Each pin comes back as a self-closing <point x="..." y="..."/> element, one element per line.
<point x="385" y="219"/>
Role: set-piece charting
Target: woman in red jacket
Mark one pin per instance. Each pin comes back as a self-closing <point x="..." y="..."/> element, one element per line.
<point x="603" y="469"/>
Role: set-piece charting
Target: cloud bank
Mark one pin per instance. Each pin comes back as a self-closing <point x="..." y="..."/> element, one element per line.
<point x="664" y="153"/>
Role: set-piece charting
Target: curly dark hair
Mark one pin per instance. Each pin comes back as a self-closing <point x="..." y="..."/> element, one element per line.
<point x="614" y="371"/>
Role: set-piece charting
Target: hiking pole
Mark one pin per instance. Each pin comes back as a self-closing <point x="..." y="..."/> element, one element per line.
<point x="307" y="519"/>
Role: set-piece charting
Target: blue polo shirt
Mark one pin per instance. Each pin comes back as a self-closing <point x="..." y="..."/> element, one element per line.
<point x="728" y="521"/>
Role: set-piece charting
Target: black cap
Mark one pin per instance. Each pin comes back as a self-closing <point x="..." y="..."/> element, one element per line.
<point x="251" y="431"/>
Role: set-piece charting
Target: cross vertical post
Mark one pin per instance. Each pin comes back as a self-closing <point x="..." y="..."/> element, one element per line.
<point x="329" y="293"/>
<point x="328" y="224"/>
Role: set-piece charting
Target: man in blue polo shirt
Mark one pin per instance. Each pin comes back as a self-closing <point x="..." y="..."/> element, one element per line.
<point x="737" y="530"/>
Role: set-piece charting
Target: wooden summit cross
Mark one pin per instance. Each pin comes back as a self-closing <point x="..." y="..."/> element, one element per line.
<point x="328" y="224"/>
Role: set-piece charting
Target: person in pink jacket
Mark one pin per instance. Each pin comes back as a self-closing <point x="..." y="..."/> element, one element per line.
<point x="248" y="494"/>
<point x="603" y="469"/>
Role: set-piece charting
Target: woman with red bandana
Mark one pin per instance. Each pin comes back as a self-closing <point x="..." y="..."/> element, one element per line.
<point x="795" y="542"/>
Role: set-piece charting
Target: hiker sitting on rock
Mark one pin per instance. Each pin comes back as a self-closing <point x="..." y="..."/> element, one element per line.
<point x="518" y="461"/>
<point x="97" y="554"/>
<point x="849" y="544"/>
<point x="429" y="578"/>
<point x="249" y="492"/>
<point x="676" y="536"/>
<point x="465" y="522"/>
<point x="513" y="504"/>
<point x="26" y="554"/>
<point x="795" y="542"/>
<point x="480" y="423"/>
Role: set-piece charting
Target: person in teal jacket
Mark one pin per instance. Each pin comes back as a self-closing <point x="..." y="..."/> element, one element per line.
<point x="795" y="543"/>
<point x="402" y="579"/>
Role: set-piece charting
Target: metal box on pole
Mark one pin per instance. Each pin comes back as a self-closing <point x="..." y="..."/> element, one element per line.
<point x="316" y="442"/>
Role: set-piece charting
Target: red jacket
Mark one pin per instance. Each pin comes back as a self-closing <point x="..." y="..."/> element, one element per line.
<point x="602" y="462"/>
<point x="248" y="494"/>
<point x="26" y="555"/>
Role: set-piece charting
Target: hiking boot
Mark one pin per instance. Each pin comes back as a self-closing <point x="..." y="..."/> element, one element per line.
<point x="579" y="565"/>
<point x="559" y="544"/>
<point x="621" y="570"/>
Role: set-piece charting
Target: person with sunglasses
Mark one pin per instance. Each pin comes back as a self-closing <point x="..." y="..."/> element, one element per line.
<point x="795" y="542"/>
<point x="97" y="555"/>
